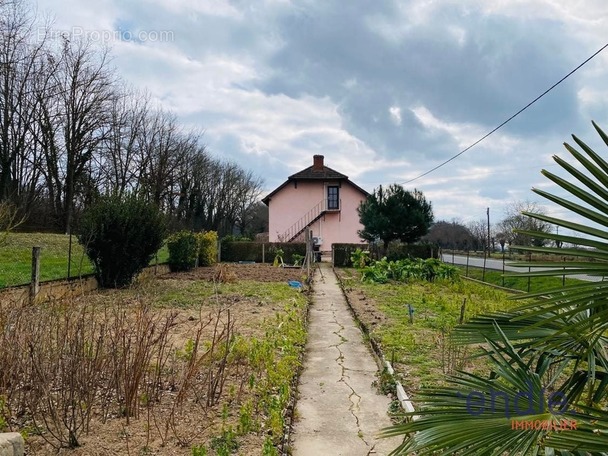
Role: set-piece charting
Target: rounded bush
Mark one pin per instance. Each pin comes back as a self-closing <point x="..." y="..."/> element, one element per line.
<point x="183" y="251"/>
<point x="207" y="248"/>
<point x="121" y="236"/>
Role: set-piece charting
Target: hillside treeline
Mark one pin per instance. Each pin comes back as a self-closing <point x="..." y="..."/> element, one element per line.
<point x="71" y="130"/>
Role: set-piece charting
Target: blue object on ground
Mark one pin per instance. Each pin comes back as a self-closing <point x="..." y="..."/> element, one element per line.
<point x="294" y="284"/>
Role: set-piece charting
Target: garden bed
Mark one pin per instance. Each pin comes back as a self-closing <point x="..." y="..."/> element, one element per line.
<point x="180" y="365"/>
<point x="421" y="352"/>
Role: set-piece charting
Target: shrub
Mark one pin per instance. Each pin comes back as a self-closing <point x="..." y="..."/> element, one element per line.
<point x="360" y="258"/>
<point x="207" y="248"/>
<point x="404" y="270"/>
<point x="183" y="251"/>
<point x="342" y="253"/>
<point x="120" y="236"/>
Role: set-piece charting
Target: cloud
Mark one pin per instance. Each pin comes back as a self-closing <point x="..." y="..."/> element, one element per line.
<point x="386" y="91"/>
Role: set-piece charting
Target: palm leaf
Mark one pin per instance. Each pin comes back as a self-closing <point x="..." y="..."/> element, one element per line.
<point x="483" y="416"/>
<point x="558" y="338"/>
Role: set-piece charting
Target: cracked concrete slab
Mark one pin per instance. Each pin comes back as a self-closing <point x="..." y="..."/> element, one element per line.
<point x="339" y="411"/>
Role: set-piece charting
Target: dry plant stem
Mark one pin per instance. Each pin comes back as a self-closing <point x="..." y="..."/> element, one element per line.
<point x="202" y="373"/>
<point x="10" y="336"/>
<point x="65" y="370"/>
<point x="188" y="373"/>
<point x="77" y="365"/>
<point x="70" y="360"/>
<point x="135" y="342"/>
<point x="218" y="378"/>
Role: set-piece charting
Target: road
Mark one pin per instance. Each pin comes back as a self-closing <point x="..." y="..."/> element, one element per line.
<point x="497" y="266"/>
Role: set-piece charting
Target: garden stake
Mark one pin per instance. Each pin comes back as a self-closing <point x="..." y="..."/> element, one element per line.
<point x="462" y="307"/>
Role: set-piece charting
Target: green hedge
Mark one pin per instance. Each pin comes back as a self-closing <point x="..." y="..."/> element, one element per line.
<point x="396" y="251"/>
<point x="232" y="251"/>
<point x="342" y="252"/>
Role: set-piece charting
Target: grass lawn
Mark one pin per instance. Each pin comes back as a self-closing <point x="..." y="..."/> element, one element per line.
<point x="532" y="284"/>
<point x="421" y="351"/>
<point x="16" y="258"/>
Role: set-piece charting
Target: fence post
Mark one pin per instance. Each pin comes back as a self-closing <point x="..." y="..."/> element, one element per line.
<point x="529" y="269"/>
<point x="503" y="267"/>
<point x="35" y="283"/>
<point x="485" y="257"/>
<point x="70" y="254"/>
<point x="309" y="252"/>
<point x="263" y="253"/>
<point x="462" y="309"/>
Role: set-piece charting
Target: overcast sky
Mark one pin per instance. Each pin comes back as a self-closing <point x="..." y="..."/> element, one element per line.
<point x="386" y="90"/>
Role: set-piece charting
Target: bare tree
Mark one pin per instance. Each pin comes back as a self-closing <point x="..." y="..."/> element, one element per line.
<point x="70" y="131"/>
<point x="450" y="235"/>
<point x="479" y="232"/>
<point x="515" y="221"/>
<point x="229" y="191"/>
<point x="20" y="66"/>
<point x="120" y="155"/>
<point x="163" y="148"/>
<point x="215" y="195"/>
<point x="9" y="220"/>
<point x="254" y="220"/>
<point x="196" y="169"/>
<point x="74" y="121"/>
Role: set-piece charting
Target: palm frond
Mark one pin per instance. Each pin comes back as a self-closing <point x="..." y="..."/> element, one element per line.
<point x="555" y="341"/>
<point x="485" y="416"/>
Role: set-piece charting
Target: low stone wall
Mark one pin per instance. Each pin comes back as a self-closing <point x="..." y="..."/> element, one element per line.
<point x="60" y="289"/>
<point x="11" y="444"/>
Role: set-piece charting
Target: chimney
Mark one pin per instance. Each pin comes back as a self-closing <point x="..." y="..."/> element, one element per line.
<point x="317" y="163"/>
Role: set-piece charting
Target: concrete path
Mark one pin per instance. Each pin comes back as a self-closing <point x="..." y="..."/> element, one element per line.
<point x="338" y="411"/>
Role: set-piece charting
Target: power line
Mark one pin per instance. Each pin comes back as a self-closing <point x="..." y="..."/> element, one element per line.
<point x="510" y="118"/>
<point x="503" y="171"/>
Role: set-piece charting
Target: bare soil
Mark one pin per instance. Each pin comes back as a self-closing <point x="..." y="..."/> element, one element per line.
<point x="365" y="308"/>
<point x="195" y="424"/>
<point x="258" y="271"/>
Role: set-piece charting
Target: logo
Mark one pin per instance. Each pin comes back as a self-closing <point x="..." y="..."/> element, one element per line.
<point x="522" y="404"/>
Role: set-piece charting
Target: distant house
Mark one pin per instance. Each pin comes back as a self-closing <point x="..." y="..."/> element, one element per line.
<point x="320" y="199"/>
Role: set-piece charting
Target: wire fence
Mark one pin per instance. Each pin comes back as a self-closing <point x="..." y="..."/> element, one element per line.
<point x="495" y="269"/>
<point x="61" y="257"/>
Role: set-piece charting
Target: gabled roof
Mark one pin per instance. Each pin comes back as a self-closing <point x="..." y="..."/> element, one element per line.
<point x="317" y="171"/>
<point x="311" y="173"/>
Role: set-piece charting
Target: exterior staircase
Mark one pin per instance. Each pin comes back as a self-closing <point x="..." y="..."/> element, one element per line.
<point x="308" y="219"/>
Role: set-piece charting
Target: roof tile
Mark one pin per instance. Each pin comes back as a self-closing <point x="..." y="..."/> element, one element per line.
<point x="310" y="173"/>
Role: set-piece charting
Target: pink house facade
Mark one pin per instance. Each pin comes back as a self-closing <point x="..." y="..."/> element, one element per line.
<point x="317" y="198"/>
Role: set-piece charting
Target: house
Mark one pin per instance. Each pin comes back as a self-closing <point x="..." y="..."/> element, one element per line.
<point x="317" y="198"/>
